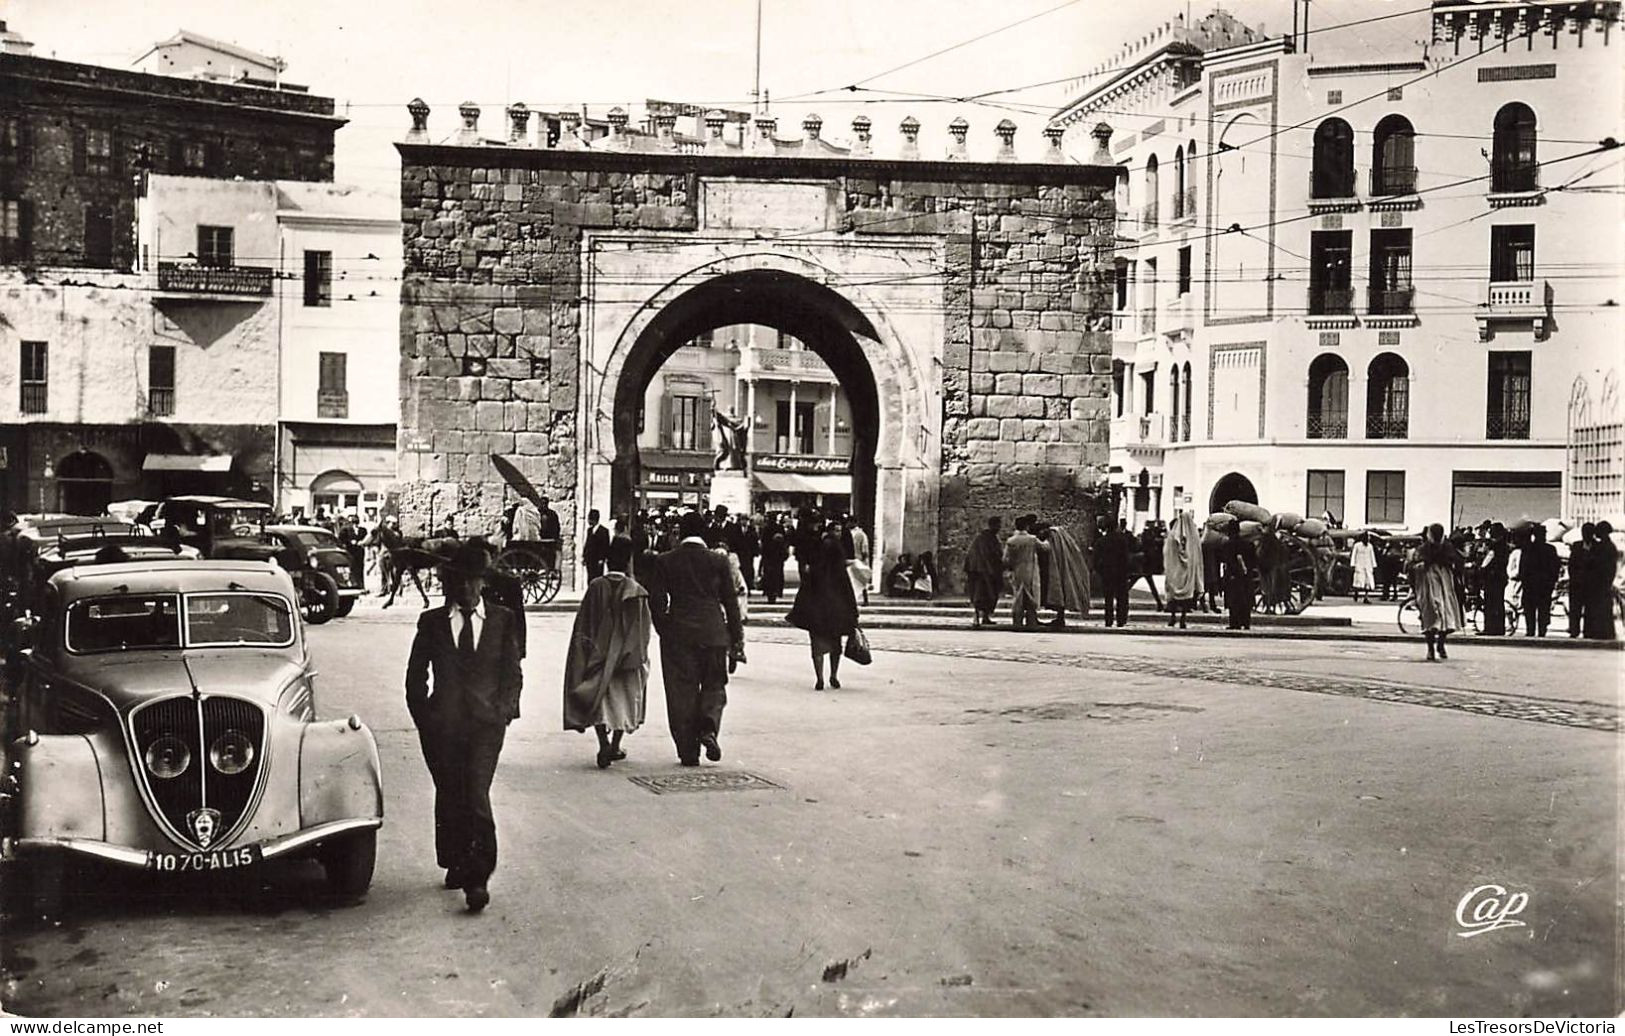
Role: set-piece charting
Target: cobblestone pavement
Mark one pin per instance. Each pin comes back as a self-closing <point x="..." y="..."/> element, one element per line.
<point x="1558" y="711"/>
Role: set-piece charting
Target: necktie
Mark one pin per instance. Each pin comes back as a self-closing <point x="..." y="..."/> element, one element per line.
<point x="465" y="638"/>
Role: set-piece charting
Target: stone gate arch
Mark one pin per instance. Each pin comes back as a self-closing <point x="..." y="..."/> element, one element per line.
<point x="966" y="304"/>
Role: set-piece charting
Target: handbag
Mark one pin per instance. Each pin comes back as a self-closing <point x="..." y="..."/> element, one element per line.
<point x="857" y="647"/>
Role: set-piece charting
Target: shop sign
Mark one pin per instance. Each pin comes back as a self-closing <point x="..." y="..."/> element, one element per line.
<point x="685" y="479"/>
<point x="801" y="464"/>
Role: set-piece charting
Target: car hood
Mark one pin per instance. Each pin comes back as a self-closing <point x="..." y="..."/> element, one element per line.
<point x="135" y="676"/>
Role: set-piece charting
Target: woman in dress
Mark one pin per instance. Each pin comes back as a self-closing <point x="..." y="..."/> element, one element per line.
<point x="1363" y="559"/>
<point x="1182" y="567"/>
<point x="606" y="676"/>
<point x="1433" y="566"/>
<point x="826" y="607"/>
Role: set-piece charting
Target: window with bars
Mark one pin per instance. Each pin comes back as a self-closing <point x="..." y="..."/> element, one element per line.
<point x="16" y="230"/>
<point x="1512" y="253"/>
<point x="214" y="246"/>
<point x="318" y="278"/>
<point x="685" y="422"/>
<point x="332" y="389"/>
<point x="96" y="148"/>
<point x="1388" y="398"/>
<point x="1508" y="404"/>
<point x="1332" y="174"/>
<point x="1391" y="289"/>
<point x="32" y="376"/>
<point x="1328" y="416"/>
<point x="161" y="381"/>
<point x="1385" y="497"/>
<point x="1512" y="161"/>
<point x="1331" y="288"/>
<point x="1325" y="494"/>
<point x="15" y="141"/>
<point x="1393" y="164"/>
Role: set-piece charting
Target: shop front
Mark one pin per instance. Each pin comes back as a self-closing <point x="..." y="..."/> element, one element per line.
<point x="791" y="481"/>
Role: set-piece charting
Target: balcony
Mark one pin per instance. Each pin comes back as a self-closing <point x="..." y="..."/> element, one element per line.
<point x="1507" y="426"/>
<point x="1327" y="301"/>
<point x="1510" y="178"/>
<point x="1332" y="191"/>
<point x="1148" y="320"/>
<point x="1179" y="317"/>
<point x="1185" y="204"/>
<point x="1394" y="180"/>
<point x="1391" y="307"/>
<point x="161" y="402"/>
<point x="784" y="364"/>
<point x="1387" y="426"/>
<point x="1328" y="426"/>
<point x="185" y="280"/>
<point x="1516" y="303"/>
<point x="1148" y="216"/>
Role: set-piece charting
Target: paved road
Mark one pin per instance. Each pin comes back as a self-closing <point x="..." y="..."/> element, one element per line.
<point x="983" y="824"/>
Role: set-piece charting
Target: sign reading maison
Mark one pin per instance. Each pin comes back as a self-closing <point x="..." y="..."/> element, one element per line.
<point x="803" y="465"/>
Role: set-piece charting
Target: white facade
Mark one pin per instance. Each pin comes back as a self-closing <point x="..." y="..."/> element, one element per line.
<point x="189" y="54"/>
<point x="1384" y="345"/>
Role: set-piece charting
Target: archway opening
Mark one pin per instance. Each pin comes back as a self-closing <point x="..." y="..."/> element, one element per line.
<point x="1234" y="486"/>
<point x="84" y="483"/>
<point x="798" y="311"/>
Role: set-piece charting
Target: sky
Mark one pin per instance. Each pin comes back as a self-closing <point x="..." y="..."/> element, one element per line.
<point x="373" y="57"/>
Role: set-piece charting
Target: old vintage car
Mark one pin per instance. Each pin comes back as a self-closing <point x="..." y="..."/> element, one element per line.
<point x="219" y="526"/>
<point x="328" y="578"/>
<point x="163" y="716"/>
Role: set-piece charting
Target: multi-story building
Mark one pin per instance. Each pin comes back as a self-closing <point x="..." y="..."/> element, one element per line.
<point x="797" y="418"/>
<point x="1369" y="289"/>
<point x="133" y="369"/>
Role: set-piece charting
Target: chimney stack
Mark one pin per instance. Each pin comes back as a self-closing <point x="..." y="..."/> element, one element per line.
<point x="469" y="135"/>
<point x="958" y="129"/>
<point x="518" y="125"/>
<point x="860" y="137"/>
<point x="1007" y="141"/>
<point x="419" y="110"/>
<point x="911" y="138"/>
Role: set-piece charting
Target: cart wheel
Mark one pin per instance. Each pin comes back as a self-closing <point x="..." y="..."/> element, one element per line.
<point x="1410" y="620"/>
<point x="526" y="567"/>
<point x="548" y="585"/>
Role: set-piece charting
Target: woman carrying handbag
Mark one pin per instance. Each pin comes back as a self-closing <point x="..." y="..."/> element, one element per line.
<point x="826" y="608"/>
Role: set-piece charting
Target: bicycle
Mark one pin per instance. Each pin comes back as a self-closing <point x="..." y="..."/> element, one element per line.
<point x="1410" y="617"/>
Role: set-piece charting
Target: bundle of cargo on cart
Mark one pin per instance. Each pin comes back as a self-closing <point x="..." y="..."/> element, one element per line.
<point x="1293" y="554"/>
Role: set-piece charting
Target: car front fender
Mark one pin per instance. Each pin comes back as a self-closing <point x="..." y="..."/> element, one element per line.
<point x="59" y="791"/>
<point x="339" y="775"/>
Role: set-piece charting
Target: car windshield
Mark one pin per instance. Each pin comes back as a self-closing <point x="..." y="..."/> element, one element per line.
<point x="228" y="521"/>
<point x="315" y="540"/>
<point x="82" y="527"/>
<point x="213" y="620"/>
<point x="124" y="623"/>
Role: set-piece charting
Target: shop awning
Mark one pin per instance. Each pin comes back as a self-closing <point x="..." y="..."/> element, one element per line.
<point x="210" y="462"/>
<point x="786" y="482"/>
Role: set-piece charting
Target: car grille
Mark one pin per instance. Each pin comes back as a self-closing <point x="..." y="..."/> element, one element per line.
<point x="197" y="724"/>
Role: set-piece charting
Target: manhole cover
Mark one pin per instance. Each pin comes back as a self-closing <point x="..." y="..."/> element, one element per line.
<point x="705" y="780"/>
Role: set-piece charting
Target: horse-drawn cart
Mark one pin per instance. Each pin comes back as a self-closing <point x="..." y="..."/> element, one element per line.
<point x="534" y="563"/>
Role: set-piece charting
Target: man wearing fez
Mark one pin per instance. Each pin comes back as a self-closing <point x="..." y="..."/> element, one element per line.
<point x="468" y="649"/>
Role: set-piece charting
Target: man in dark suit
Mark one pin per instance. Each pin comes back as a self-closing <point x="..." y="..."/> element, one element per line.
<point x="1538" y="568"/>
<point x="595" y="552"/>
<point x="469" y="649"/>
<point x="691" y="597"/>
<point x="1114" y="550"/>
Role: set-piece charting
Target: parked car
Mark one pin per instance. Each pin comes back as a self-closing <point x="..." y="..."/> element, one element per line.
<point x="42" y="527"/>
<point x="45" y="558"/>
<point x="328" y="577"/>
<point x="165" y="720"/>
<point x="219" y="526"/>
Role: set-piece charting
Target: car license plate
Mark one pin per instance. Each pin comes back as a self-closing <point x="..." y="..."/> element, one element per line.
<point x="213" y="860"/>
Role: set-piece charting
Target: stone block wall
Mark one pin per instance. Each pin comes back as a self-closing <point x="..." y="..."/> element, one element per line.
<point x="490" y="317"/>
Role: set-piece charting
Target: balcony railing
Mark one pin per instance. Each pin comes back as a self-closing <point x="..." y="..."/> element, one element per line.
<point x="214" y="280"/>
<point x="333" y="405"/>
<point x="1151" y="428"/>
<point x="1324" y="301"/>
<point x="1507" y="426"/>
<point x="1517" y="298"/>
<point x="161" y="402"/>
<point x="1185" y="427"/>
<point x="1330" y="185"/>
<point x="1328" y="426"/>
<point x="1148" y="216"/>
<point x="1387" y="181"/>
<point x="1391" y="301"/>
<point x="1387" y="426"/>
<point x="786" y="362"/>
<point x="33" y="397"/>
<point x="1148" y="320"/>
<point x="1190" y="204"/>
<point x="1509" y="178"/>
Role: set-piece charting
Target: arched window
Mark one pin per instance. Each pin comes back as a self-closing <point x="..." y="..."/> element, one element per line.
<point x="1328" y="398"/>
<point x="1179" y="183"/>
<point x="84" y="483"/>
<point x="1512" y="163"/>
<point x="1185" y="418"/>
<point x="1173" y="403"/>
<point x="1388" y="398"/>
<point x="1333" y="174"/>
<point x="1149" y="219"/>
<point x="1393" y="157"/>
<point x="1190" y="178"/>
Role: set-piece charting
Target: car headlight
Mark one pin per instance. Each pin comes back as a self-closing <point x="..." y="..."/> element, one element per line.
<point x="231" y="753"/>
<point x="168" y="757"/>
<point x="312" y="562"/>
